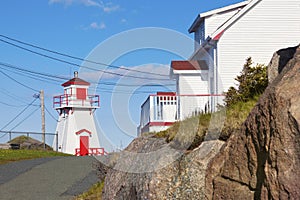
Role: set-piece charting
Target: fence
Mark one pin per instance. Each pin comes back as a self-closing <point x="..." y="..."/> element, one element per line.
<point x="10" y="133"/>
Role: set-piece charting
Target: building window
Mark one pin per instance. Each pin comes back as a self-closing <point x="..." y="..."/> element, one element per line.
<point x="200" y="35"/>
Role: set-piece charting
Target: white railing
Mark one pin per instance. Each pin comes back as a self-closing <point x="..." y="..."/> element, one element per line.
<point x="171" y="108"/>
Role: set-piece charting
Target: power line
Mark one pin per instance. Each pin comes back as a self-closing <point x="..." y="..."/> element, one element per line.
<point x="13" y="96"/>
<point x="75" y="64"/>
<point x="10" y="105"/>
<point x="31" y="76"/>
<point x="77" y="58"/>
<point x="99" y="89"/>
<point x="54" y="77"/>
<point x="24" y="119"/>
<point x="50" y="114"/>
<point x="17" y="117"/>
<point x="28" y="87"/>
<point x="32" y="72"/>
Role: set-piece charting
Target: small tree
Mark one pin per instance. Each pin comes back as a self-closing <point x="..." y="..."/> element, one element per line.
<point x="251" y="82"/>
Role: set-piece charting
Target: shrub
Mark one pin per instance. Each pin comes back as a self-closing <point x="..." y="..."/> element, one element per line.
<point x="251" y="82"/>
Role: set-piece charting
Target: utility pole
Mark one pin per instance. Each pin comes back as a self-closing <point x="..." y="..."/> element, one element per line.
<point x="43" y="117"/>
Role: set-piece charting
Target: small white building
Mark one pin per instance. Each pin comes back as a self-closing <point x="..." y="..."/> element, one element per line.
<point x="76" y="129"/>
<point x="191" y="87"/>
<point x="158" y="112"/>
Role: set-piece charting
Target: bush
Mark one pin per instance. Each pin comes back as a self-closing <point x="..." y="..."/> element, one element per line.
<point x="251" y="82"/>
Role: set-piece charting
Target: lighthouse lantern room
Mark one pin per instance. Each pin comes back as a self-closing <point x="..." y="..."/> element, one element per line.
<point x="76" y="130"/>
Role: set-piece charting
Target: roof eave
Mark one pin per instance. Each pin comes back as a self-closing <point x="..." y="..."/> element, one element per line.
<point x="218" y="33"/>
<point x="224" y="9"/>
<point x="195" y="24"/>
<point x="202" y="16"/>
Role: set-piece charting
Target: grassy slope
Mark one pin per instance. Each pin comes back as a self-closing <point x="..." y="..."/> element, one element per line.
<point x="235" y="116"/>
<point x="9" y="155"/>
<point x="94" y="193"/>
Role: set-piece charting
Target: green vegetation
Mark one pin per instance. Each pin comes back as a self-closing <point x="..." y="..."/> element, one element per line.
<point x="94" y="193"/>
<point x="9" y="155"/>
<point x="239" y="103"/>
<point x="21" y="139"/>
<point x="252" y="82"/>
<point x="29" y="143"/>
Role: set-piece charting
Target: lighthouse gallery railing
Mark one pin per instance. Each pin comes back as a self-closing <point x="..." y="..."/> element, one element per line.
<point x="67" y="100"/>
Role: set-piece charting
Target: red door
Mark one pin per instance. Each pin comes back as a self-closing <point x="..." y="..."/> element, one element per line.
<point x="84" y="145"/>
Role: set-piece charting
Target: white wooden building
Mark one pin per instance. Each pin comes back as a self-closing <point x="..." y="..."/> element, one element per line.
<point x="224" y="39"/>
<point x="191" y="87"/>
<point x="158" y="112"/>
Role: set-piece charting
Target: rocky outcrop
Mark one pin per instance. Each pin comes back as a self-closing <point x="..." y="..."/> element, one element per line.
<point x="260" y="161"/>
<point x="166" y="174"/>
<point x="279" y="60"/>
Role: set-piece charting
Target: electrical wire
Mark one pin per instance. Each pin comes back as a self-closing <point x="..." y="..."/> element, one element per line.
<point x="77" y="58"/>
<point x="28" y="87"/>
<point x="32" y="72"/>
<point x="42" y="76"/>
<point x="75" y="64"/>
<point x="16" y="117"/>
<point x="18" y="114"/>
<point x="10" y="105"/>
<point x="50" y="114"/>
<point x="13" y="96"/>
<point x="24" y="119"/>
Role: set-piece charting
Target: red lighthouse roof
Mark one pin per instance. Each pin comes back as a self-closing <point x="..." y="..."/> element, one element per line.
<point x="75" y="81"/>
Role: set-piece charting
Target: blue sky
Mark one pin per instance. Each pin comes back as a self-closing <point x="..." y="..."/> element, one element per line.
<point x="98" y="31"/>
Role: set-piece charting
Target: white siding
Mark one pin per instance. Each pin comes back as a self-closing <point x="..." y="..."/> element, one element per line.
<point x="157" y="109"/>
<point x="213" y="22"/>
<point x="193" y="84"/>
<point x="192" y="105"/>
<point x="267" y="27"/>
<point x="68" y="125"/>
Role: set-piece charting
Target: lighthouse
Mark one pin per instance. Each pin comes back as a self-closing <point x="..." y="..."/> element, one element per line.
<point x="76" y="130"/>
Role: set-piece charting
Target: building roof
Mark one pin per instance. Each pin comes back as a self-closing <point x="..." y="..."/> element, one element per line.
<point x="75" y="81"/>
<point x="166" y="93"/>
<point x="189" y="65"/>
<point x="218" y="33"/>
<point x="201" y="16"/>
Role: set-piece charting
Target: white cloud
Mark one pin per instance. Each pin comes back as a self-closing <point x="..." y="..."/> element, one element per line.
<point x="111" y="8"/>
<point x="105" y="7"/>
<point x="66" y="2"/>
<point x="123" y="20"/>
<point x="100" y="26"/>
<point x="90" y="3"/>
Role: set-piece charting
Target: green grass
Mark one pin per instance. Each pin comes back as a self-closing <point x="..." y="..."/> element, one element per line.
<point x="9" y="155"/>
<point x="235" y="116"/>
<point x="94" y="193"/>
<point x="193" y="130"/>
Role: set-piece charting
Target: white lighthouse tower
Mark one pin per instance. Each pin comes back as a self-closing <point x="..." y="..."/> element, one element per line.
<point x="76" y="130"/>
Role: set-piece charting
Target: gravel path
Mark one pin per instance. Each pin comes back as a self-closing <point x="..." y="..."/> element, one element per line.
<point x="47" y="178"/>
